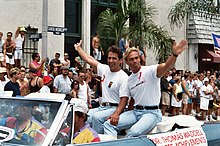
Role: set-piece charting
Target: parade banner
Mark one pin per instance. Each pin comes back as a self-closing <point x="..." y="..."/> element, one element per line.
<point x="216" y="39"/>
<point x="181" y="137"/>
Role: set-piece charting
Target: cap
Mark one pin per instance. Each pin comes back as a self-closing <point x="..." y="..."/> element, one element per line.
<point x="23" y="29"/>
<point x="64" y="67"/>
<point x="206" y="80"/>
<point x="80" y="105"/>
<point x="47" y="79"/>
<point x="3" y="70"/>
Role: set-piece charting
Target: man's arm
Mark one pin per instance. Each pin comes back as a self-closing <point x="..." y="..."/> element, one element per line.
<point x="88" y="98"/>
<point x="177" y="49"/>
<point x="87" y="58"/>
<point x="121" y="106"/>
<point x="17" y="32"/>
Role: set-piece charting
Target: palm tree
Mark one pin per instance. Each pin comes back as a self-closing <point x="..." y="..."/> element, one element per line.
<point x="135" y="19"/>
<point x="180" y="11"/>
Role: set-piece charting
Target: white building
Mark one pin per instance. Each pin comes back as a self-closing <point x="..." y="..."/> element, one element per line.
<point x="26" y="13"/>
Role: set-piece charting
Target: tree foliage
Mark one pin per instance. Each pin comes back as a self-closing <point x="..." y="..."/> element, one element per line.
<point x="134" y="19"/>
<point x="178" y="12"/>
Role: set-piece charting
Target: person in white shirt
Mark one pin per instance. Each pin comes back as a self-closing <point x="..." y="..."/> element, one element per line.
<point x="19" y="41"/>
<point x="144" y="88"/>
<point x="2" y="41"/>
<point x="114" y="87"/>
<point x="83" y="88"/>
<point x="206" y="91"/>
<point x="62" y="83"/>
<point x="47" y="82"/>
<point x="198" y="92"/>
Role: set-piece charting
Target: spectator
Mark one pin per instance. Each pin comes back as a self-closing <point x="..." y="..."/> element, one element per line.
<point x="19" y="41"/>
<point x="83" y="88"/>
<point x="56" y="62"/>
<point x="47" y="82"/>
<point x="97" y="49"/>
<point x="206" y="91"/>
<point x="8" y="50"/>
<point x="165" y="94"/>
<point x="3" y="78"/>
<point x="62" y="83"/>
<point x="36" y="65"/>
<point x="36" y="82"/>
<point x="74" y="89"/>
<point x="13" y="85"/>
<point x="23" y="84"/>
<point x="65" y="61"/>
<point x="2" y="41"/>
<point x="176" y="102"/>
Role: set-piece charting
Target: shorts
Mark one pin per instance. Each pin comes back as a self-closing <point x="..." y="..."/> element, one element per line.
<point x="198" y="100"/>
<point x="174" y="102"/>
<point x="18" y="54"/>
<point x="185" y="98"/>
<point x="210" y="103"/>
<point x="1" y="57"/>
<point x="204" y="103"/>
<point x="190" y="100"/>
<point x="9" y="60"/>
<point x="165" y="98"/>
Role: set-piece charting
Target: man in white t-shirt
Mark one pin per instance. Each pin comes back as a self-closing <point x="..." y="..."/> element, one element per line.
<point x="114" y="91"/>
<point x="144" y="89"/>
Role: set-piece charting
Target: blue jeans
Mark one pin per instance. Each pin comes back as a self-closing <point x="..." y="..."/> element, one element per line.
<point x="139" y="121"/>
<point x="98" y="116"/>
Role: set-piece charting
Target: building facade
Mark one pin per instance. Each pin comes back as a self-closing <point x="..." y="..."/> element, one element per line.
<point x="80" y="19"/>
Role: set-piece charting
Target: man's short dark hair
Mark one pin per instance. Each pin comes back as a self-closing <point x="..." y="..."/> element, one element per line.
<point x="9" y="33"/>
<point x="57" y="54"/>
<point x="80" y="114"/>
<point x="81" y="71"/>
<point x="115" y="49"/>
<point x="34" y="55"/>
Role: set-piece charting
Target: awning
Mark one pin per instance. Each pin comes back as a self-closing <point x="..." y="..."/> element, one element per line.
<point x="210" y="56"/>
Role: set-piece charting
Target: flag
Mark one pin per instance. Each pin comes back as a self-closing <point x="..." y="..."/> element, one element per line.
<point x="216" y="39"/>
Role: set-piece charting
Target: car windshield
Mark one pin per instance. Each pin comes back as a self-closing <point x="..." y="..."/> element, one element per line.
<point x="30" y="119"/>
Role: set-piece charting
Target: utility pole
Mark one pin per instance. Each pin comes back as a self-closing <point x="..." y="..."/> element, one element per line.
<point x="44" y="28"/>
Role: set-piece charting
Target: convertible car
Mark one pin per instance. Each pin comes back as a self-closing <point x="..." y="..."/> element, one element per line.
<point x="39" y="119"/>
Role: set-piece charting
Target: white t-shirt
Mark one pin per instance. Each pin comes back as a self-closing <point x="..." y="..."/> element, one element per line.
<point x="144" y="86"/>
<point x="45" y="89"/>
<point x="19" y="41"/>
<point x="199" y="85"/>
<point x="114" y="84"/>
<point x="82" y="93"/>
<point x="205" y="89"/>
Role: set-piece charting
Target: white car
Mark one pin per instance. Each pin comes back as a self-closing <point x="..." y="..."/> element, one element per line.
<point x="47" y="119"/>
